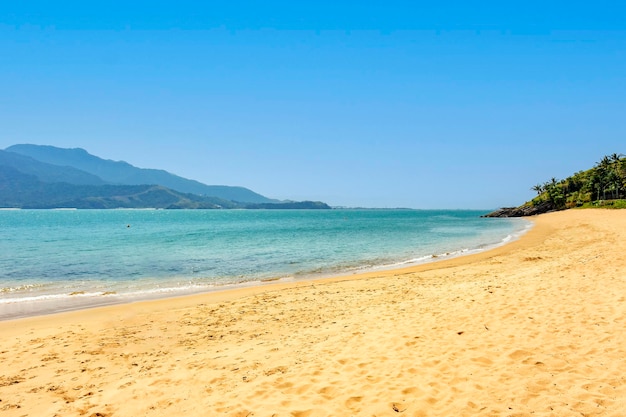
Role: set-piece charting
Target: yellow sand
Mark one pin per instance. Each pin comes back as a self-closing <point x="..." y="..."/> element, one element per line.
<point x="535" y="328"/>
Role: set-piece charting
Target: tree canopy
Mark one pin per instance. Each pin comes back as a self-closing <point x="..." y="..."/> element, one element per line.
<point x="604" y="184"/>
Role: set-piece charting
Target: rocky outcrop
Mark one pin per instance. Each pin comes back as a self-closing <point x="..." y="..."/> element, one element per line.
<point x="522" y="211"/>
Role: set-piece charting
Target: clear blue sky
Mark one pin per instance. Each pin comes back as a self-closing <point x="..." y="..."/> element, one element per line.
<point x="452" y="104"/>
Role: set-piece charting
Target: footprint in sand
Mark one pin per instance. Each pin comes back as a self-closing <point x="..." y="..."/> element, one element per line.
<point x="353" y="403"/>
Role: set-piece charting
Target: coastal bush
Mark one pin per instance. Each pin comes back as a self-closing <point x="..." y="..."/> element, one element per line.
<point x="609" y="204"/>
<point x="620" y="204"/>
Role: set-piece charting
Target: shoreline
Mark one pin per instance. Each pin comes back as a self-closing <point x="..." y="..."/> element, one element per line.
<point x="531" y="327"/>
<point x="64" y="303"/>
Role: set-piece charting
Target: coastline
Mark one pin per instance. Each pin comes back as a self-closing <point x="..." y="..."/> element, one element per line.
<point x="533" y="326"/>
<point x="43" y="298"/>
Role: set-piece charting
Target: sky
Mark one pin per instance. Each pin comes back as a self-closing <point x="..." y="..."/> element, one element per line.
<point x="420" y="104"/>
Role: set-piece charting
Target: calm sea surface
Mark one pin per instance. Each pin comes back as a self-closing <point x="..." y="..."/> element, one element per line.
<point x="55" y="260"/>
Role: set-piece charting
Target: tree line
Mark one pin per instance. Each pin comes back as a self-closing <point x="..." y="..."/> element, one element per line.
<point x="606" y="181"/>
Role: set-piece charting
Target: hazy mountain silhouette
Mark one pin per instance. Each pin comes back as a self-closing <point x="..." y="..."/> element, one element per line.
<point x="123" y="173"/>
<point x="33" y="176"/>
<point x="47" y="172"/>
<point x="20" y="190"/>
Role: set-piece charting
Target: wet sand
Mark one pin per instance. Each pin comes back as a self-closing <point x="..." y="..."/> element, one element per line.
<point x="535" y="327"/>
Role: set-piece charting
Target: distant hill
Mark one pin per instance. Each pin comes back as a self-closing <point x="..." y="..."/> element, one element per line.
<point x="19" y="190"/>
<point x="123" y="173"/>
<point x="34" y="176"/>
<point x="48" y="172"/>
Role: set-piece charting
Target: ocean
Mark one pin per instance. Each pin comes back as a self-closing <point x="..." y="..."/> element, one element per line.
<point x="57" y="260"/>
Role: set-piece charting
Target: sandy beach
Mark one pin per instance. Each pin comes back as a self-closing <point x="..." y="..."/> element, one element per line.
<point x="532" y="328"/>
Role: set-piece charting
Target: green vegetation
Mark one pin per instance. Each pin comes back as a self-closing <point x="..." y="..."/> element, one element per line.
<point x="601" y="186"/>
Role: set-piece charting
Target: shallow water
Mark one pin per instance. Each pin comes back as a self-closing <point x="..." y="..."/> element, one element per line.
<point x="53" y="260"/>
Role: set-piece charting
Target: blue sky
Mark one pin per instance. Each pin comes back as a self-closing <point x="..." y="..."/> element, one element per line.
<point x="376" y="104"/>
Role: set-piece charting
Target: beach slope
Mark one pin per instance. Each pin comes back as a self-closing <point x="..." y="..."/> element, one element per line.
<point x="535" y="327"/>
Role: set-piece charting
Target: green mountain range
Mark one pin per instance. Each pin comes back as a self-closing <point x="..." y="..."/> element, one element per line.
<point x="35" y="176"/>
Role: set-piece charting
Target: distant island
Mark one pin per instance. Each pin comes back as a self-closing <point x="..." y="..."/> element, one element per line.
<point x="604" y="185"/>
<point x="46" y="177"/>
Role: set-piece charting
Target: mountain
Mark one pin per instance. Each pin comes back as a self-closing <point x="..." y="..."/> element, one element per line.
<point x="123" y="173"/>
<point x="47" y="172"/>
<point x="33" y="176"/>
<point x="20" y="190"/>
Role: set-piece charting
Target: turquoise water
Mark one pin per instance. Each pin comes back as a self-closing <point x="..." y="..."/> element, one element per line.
<point x="54" y="260"/>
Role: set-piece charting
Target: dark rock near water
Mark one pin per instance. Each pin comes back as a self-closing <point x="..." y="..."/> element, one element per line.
<point x="523" y="211"/>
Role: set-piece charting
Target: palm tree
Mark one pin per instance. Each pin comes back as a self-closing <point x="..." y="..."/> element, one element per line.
<point x="618" y="173"/>
<point x="621" y="170"/>
<point x="602" y="169"/>
<point x="555" y="192"/>
<point x="609" y="169"/>
<point x="615" y="158"/>
<point x="538" y="188"/>
<point x="553" y="182"/>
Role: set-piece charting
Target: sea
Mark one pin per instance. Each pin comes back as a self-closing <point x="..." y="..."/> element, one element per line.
<point x="59" y="260"/>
